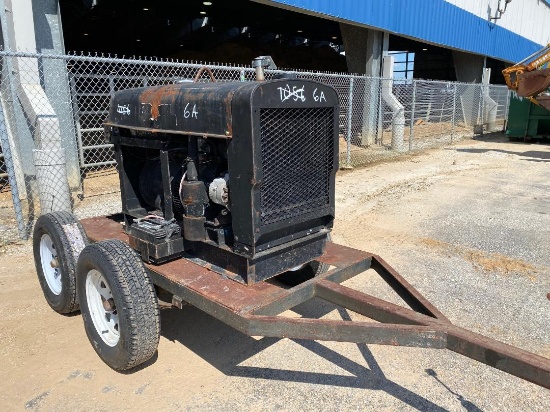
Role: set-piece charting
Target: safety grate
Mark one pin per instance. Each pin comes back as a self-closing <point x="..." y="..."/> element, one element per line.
<point x="297" y="158"/>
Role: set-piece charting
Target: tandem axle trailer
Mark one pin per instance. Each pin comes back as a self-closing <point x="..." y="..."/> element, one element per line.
<point x="254" y="309"/>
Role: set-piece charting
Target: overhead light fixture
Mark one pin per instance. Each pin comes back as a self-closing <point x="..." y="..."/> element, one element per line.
<point x="424" y="49"/>
<point x="145" y="9"/>
<point x="499" y="12"/>
<point x="203" y="12"/>
<point x="299" y="31"/>
<point x="181" y="45"/>
<point x="207" y="3"/>
<point x="334" y="37"/>
<point x="85" y="34"/>
<point x="138" y="40"/>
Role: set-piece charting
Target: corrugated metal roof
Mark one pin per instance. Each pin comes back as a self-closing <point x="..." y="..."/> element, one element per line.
<point x="431" y="21"/>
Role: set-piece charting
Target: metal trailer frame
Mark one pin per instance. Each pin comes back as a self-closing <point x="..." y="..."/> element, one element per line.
<point x="253" y="309"/>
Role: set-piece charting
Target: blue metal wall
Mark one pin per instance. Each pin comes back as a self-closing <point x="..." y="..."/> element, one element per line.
<point x="433" y="21"/>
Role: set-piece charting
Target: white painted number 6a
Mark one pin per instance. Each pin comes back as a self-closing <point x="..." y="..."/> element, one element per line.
<point x="319" y="97"/>
<point x="193" y="113"/>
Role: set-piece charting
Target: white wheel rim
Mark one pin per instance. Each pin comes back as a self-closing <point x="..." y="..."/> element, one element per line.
<point x="102" y="308"/>
<point x="50" y="264"/>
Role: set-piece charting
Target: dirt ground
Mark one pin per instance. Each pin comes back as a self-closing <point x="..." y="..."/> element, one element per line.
<point x="468" y="225"/>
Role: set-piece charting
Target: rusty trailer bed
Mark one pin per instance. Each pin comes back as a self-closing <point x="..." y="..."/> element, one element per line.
<point x="253" y="309"/>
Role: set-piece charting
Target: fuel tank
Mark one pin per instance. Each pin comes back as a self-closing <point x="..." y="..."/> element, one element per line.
<point x="202" y="109"/>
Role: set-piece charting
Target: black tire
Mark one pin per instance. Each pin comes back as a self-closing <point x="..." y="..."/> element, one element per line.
<point x="131" y="312"/>
<point x="58" y="239"/>
<point x="307" y="272"/>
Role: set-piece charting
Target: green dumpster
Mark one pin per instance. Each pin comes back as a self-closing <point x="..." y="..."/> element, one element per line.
<point x="527" y="120"/>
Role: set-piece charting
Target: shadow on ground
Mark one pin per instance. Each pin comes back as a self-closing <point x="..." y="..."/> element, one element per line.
<point x="226" y="349"/>
<point x="530" y="155"/>
<point x="499" y="137"/>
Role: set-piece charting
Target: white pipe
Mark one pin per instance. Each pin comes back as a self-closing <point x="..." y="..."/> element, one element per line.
<point x="490" y="105"/>
<point x="52" y="179"/>
<point x="50" y="172"/>
<point x="49" y="156"/>
<point x="398" y="119"/>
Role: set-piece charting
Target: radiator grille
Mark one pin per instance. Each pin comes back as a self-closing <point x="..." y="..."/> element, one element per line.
<point x="297" y="157"/>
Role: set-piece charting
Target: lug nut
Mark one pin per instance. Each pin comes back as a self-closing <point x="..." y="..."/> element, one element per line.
<point x="109" y="305"/>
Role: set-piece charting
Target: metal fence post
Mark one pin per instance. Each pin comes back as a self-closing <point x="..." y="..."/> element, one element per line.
<point x="112" y="87"/>
<point x="6" y="150"/>
<point x="429" y="108"/>
<point x="74" y="102"/>
<point x="453" y="120"/>
<point x="481" y="111"/>
<point x="506" y="109"/>
<point x="348" y="133"/>
<point x="411" y="126"/>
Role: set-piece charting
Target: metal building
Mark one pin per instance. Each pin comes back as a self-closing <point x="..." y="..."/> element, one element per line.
<point x="451" y="39"/>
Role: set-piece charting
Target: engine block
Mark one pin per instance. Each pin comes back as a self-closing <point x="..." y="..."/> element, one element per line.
<point x="245" y="169"/>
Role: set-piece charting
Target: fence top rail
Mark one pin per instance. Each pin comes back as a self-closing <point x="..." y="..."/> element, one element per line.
<point x="165" y="62"/>
<point x="159" y="62"/>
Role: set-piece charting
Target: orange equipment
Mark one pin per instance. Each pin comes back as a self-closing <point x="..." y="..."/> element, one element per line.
<point x="531" y="77"/>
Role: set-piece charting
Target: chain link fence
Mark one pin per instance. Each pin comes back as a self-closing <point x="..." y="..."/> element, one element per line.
<point x="53" y="108"/>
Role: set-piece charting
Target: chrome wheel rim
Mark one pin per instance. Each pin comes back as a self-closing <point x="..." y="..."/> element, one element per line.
<point x="102" y="307"/>
<point x="50" y="264"/>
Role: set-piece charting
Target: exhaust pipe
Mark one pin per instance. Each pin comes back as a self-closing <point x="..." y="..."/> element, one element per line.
<point x="260" y="63"/>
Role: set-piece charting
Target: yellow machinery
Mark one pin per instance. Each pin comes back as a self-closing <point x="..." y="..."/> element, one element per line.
<point x="531" y="77"/>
